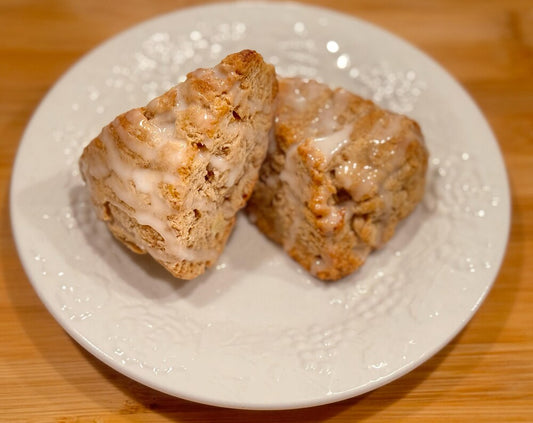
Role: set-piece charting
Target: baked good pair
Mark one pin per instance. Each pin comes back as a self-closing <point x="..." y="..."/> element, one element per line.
<point x="335" y="173"/>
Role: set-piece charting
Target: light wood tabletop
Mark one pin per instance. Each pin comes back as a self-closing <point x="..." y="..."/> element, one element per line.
<point x="484" y="374"/>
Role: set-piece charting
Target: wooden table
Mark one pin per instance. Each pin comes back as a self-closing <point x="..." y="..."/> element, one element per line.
<point x="485" y="373"/>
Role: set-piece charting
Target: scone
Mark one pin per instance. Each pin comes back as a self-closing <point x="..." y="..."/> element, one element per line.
<point x="169" y="178"/>
<point x="339" y="175"/>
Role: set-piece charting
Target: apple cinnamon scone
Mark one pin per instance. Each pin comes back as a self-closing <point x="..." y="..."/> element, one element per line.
<point x="169" y="178"/>
<point x="339" y="175"/>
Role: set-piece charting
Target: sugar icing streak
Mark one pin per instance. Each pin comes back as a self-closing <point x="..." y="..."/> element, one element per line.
<point x="137" y="186"/>
<point x="364" y="177"/>
<point x="331" y="144"/>
<point x="325" y="133"/>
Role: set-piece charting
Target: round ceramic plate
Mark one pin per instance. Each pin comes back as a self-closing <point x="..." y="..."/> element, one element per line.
<point x="256" y="331"/>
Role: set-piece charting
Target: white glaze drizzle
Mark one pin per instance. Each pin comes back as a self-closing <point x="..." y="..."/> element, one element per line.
<point x="331" y="144"/>
<point x="139" y="188"/>
<point x="364" y="179"/>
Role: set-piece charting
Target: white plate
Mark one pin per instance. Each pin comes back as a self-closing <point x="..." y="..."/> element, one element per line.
<point x="257" y="332"/>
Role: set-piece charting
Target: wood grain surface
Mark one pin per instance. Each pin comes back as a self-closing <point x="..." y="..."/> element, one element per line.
<point x="486" y="372"/>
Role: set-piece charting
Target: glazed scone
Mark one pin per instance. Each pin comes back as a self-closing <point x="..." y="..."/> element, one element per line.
<point x="169" y="178"/>
<point x="339" y="175"/>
